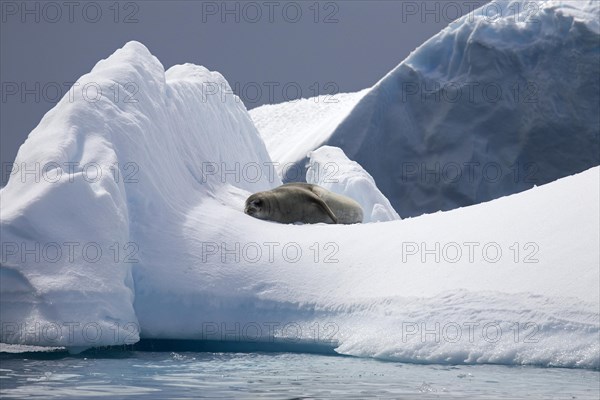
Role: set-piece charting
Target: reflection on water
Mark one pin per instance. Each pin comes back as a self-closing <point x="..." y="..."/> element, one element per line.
<point x="136" y="374"/>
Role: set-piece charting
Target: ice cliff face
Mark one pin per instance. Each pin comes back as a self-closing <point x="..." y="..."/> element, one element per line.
<point x="503" y="99"/>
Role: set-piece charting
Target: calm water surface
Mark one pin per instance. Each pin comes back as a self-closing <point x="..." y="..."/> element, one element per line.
<point x="159" y="375"/>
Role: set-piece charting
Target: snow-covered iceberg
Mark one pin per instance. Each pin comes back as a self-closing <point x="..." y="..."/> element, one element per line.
<point x="512" y="281"/>
<point x="503" y="99"/>
<point x="102" y="186"/>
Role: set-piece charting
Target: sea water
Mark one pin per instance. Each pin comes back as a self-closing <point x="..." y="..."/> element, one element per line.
<point x="159" y="375"/>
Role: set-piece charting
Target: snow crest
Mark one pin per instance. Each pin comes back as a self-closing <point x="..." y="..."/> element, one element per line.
<point x="330" y="168"/>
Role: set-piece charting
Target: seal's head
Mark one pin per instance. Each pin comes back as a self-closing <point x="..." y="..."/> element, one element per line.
<point x="258" y="205"/>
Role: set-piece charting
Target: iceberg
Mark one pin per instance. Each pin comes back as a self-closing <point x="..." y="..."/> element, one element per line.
<point x="123" y="222"/>
<point x="108" y="173"/>
<point x="503" y="99"/>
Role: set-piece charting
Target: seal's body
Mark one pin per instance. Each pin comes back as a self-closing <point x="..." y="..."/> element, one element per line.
<point x="303" y="202"/>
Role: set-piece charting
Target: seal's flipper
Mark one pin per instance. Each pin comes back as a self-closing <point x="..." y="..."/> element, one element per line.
<point x="323" y="206"/>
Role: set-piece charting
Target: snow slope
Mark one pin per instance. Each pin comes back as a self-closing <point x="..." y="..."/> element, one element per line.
<point x="518" y="276"/>
<point x="290" y="130"/>
<point x="503" y="99"/>
<point x="375" y="289"/>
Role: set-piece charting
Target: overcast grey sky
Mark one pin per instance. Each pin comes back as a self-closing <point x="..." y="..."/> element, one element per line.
<point x="316" y="47"/>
